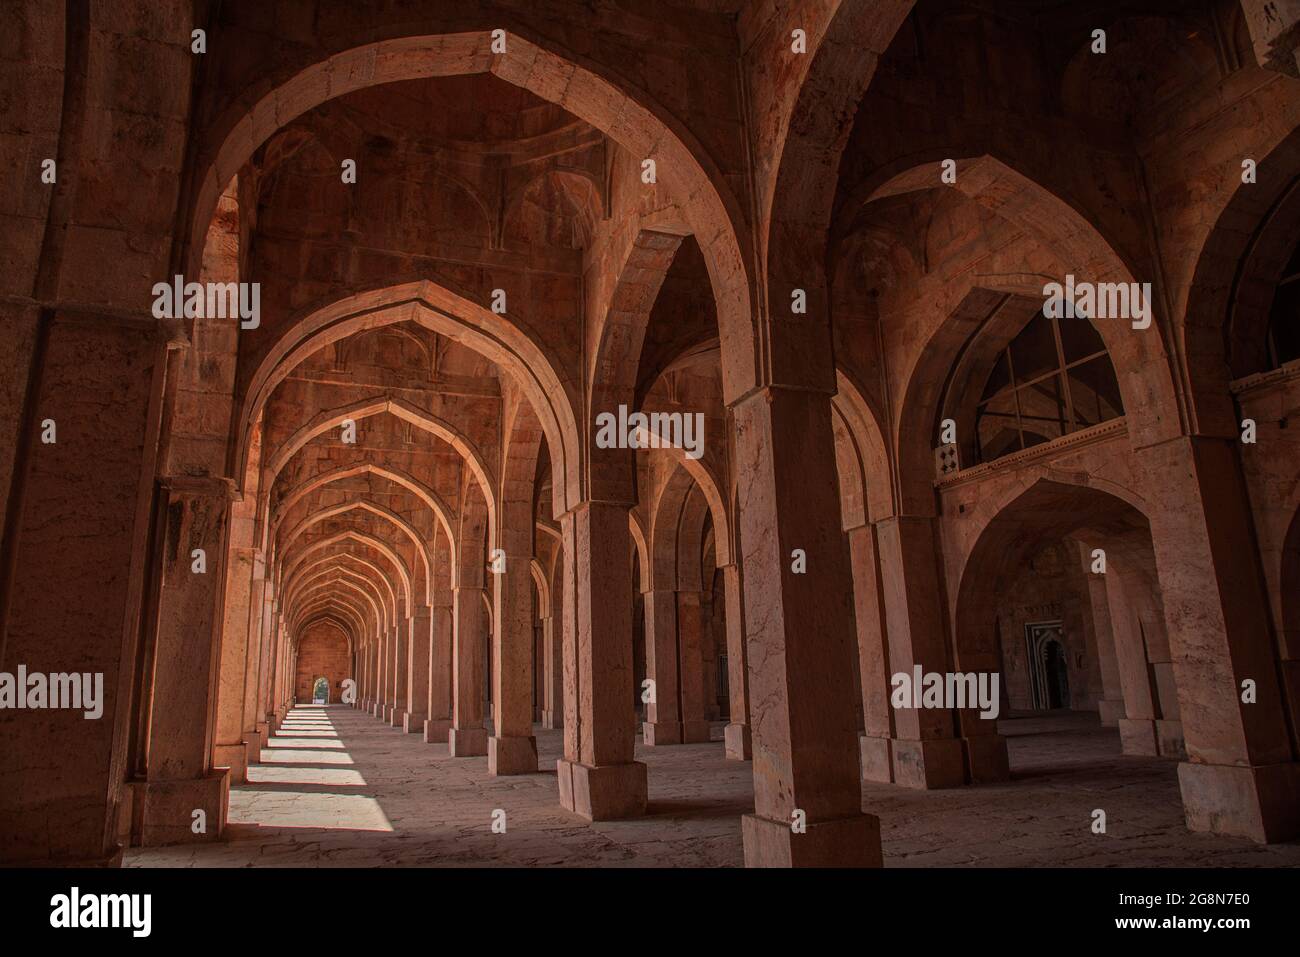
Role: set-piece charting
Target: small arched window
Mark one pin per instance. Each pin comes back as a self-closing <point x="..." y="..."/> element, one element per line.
<point x="1284" y="316"/>
<point x="1052" y="379"/>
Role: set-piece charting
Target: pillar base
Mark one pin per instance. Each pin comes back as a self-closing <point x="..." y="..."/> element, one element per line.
<point x="512" y="755"/>
<point x="376" y="708"/>
<point x="163" y="811"/>
<point x="1110" y="712"/>
<point x="696" y="732"/>
<point x="552" y="720"/>
<point x="875" y="757"/>
<point x="253" y="744"/>
<point x="1259" y="803"/>
<point x="413" y="723"/>
<point x="929" y="764"/>
<point x="661" y="733"/>
<point x="843" y="842"/>
<point x="739" y="742"/>
<point x="467" y="742"/>
<point x="1138" y="736"/>
<point x="1169" y="739"/>
<point x="263" y="731"/>
<point x="603" y="793"/>
<point x="437" y="731"/>
<point x="233" y="757"/>
<point x="986" y="758"/>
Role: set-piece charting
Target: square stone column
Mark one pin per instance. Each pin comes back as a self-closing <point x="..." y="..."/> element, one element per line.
<point x="261" y="724"/>
<point x="468" y="736"/>
<point x="738" y="740"/>
<point x="598" y="777"/>
<point x="420" y="629"/>
<point x="690" y="638"/>
<point x="1241" y="776"/>
<point x="875" y="744"/>
<point x="552" y="676"/>
<point x="800" y="632"/>
<point x="512" y="748"/>
<point x="400" y="640"/>
<point x="925" y="753"/>
<point x="437" y="727"/>
<point x="231" y="748"/>
<point x="80" y="510"/>
<point x="178" y="795"/>
<point x="1097" y="611"/>
<point x="663" y="723"/>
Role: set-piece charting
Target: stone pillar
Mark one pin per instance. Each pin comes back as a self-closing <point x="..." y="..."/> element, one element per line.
<point x="468" y="736"/>
<point x="437" y="727"/>
<point x="177" y="777"/>
<point x="875" y="743"/>
<point x="800" y="634"/>
<point x="1097" y="611"/>
<point x="1241" y="776"/>
<point x="253" y="673"/>
<point x="738" y="741"/>
<point x="663" y="723"/>
<point x="512" y="748"/>
<point x="552" y="674"/>
<point x="598" y="777"/>
<point x="230" y="748"/>
<point x="273" y="661"/>
<point x="690" y="638"/>
<point x="400" y="641"/>
<point x="539" y="657"/>
<point x="925" y="753"/>
<point x="384" y="695"/>
<point x="1137" y="728"/>
<point x="262" y="723"/>
<point x="76" y="540"/>
<point x="420" y="629"/>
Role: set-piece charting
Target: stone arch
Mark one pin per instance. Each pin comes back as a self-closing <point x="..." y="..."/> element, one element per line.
<point x="796" y="207"/>
<point x="1042" y="507"/>
<point x="865" y="461"/>
<point x="691" y="541"/>
<point x="1139" y="356"/>
<point x="384" y="611"/>
<point x="613" y="368"/>
<point x="1238" y="263"/>
<point x="543" y="589"/>
<point x="424" y="595"/>
<point x="437" y="308"/>
<point x="711" y="488"/>
<point x="639" y="543"/>
<point x="377" y="585"/>
<point x="361" y="538"/>
<point x="442" y="512"/>
<point x="322" y="602"/>
<point x="327" y="616"/>
<point x="626" y="115"/>
<point x="664" y="530"/>
<point x="324" y="421"/>
<point x="1151" y="396"/>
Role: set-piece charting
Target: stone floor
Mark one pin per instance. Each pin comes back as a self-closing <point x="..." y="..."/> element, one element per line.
<point x="337" y="788"/>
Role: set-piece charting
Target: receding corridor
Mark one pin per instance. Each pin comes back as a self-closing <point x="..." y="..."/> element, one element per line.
<point x="338" y="788"/>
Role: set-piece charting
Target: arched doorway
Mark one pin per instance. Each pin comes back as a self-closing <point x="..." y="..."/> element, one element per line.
<point x="1049" y="672"/>
<point x="320" y="692"/>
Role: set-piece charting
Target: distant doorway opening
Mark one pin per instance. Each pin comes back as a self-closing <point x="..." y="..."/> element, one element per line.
<point x="320" y="691"/>
<point x="1049" y="671"/>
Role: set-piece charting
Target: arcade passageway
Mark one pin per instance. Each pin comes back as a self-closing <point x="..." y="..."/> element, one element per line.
<point x="593" y="411"/>
<point x="416" y="807"/>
